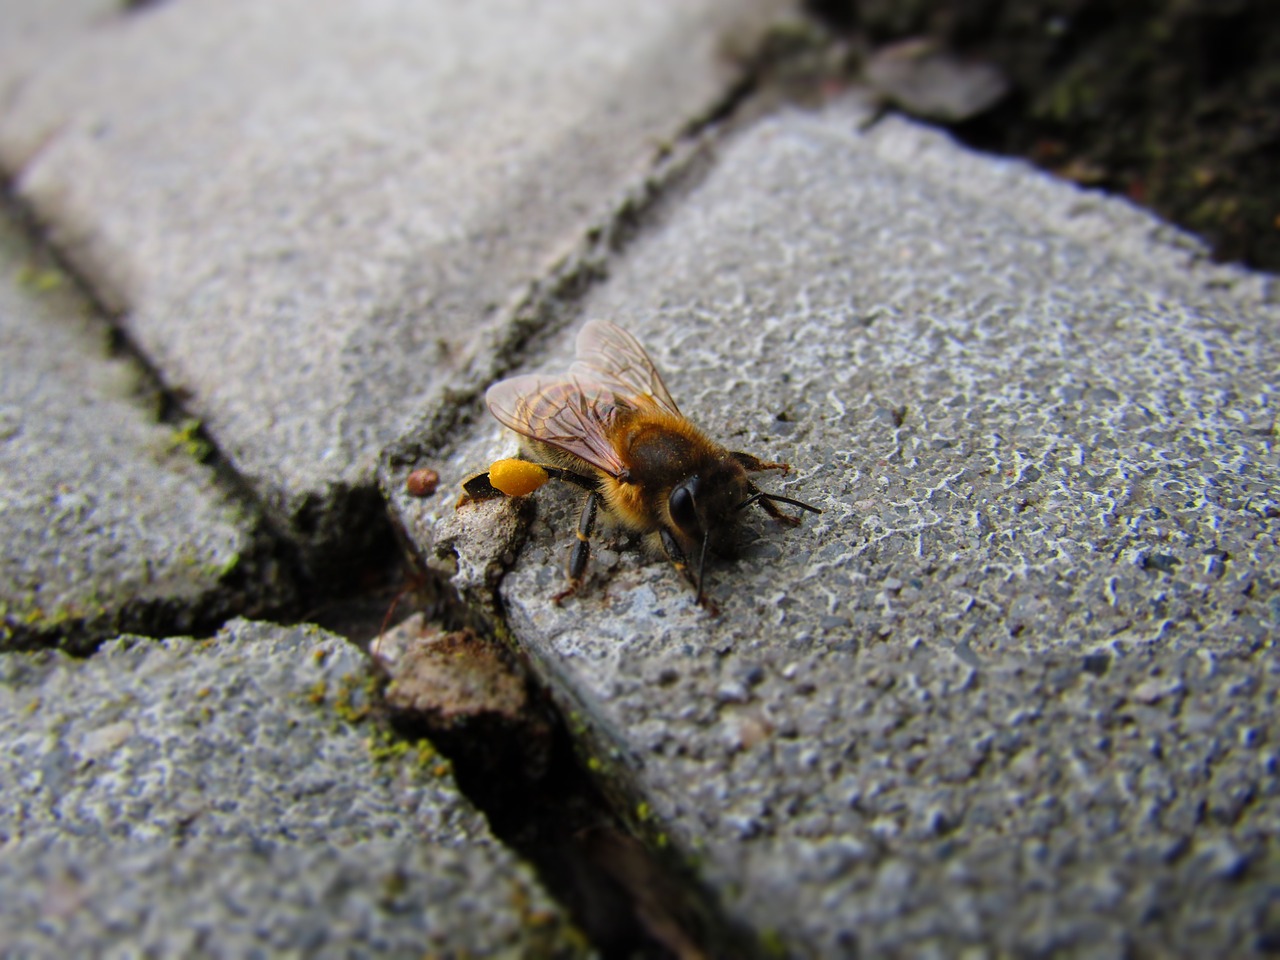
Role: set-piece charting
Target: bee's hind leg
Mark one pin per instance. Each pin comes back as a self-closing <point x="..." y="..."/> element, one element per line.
<point x="582" y="549"/>
<point x="478" y="487"/>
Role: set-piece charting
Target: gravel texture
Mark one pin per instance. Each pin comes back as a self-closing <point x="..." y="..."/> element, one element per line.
<point x="226" y="798"/>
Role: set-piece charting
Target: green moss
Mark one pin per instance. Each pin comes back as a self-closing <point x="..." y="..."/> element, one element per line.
<point x="353" y="698"/>
<point x="430" y="761"/>
<point x="186" y="439"/>
<point x="35" y="618"/>
<point x="218" y="571"/>
<point x="501" y="632"/>
<point x="772" y="943"/>
<point x="39" y="279"/>
<point x="318" y="692"/>
<point x="384" y="748"/>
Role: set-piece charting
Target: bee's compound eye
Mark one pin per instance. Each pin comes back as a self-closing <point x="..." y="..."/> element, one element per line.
<point x="683" y="513"/>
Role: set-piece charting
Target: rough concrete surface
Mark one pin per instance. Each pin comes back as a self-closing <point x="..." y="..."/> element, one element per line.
<point x="107" y="520"/>
<point x="220" y="798"/>
<point x="1013" y="692"/>
<point x="34" y="31"/>
<point x="308" y="214"/>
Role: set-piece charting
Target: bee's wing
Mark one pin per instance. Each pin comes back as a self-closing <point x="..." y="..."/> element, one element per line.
<point x="613" y="358"/>
<point x="571" y="414"/>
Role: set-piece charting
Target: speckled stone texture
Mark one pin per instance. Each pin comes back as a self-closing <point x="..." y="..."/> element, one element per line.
<point x="308" y="214"/>
<point x="34" y="31"/>
<point x="214" y="798"/>
<point x="107" y="520"/>
<point x="1013" y="692"/>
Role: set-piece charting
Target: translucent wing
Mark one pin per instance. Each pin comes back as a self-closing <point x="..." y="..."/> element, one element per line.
<point x="569" y="413"/>
<point x="614" y="359"/>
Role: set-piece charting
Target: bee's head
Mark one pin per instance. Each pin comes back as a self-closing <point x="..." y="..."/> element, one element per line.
<point x="702" y="505"/>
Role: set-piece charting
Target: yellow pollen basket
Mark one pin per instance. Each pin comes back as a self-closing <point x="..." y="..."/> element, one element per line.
<point x="516" y="478"/>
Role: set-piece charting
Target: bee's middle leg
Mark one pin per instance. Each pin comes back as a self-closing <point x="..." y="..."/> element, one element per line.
<point x="582" y="549"/>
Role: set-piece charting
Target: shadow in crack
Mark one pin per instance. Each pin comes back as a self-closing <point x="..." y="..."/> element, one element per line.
<point x="515" y="760"/>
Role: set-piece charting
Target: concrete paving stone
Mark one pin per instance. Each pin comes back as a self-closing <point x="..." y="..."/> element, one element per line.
<point x="308" y="214"/>
<point x="221" y="798"/>
<point x="107" y="519"/>
<point x="33" y="32"/>
<point x="1013" y="690"/>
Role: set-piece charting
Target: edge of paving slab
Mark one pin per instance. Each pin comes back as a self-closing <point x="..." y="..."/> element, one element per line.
<point x="342" y="531"/>
<point x="109" y="590"/>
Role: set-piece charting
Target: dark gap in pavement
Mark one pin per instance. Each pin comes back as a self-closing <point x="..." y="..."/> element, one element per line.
<point x="1174" y="105"/>
<point x="527" y="776"/>
<point x="137" y="6"/>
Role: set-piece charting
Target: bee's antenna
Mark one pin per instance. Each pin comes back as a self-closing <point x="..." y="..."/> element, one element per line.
<point x="776" y="498"/>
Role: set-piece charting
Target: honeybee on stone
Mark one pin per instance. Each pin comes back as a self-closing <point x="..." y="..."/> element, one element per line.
<point x="610" y="427"/>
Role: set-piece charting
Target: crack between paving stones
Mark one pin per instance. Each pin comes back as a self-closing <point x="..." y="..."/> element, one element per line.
<point x="625" y="888"/>
<point x="269" y="579"/>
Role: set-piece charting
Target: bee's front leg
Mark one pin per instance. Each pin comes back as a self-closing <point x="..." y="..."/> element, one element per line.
<point x="771" y="509"/>
<point x="768" y="502"/>
<point x="582" y="549"/>
<point x="676" y="556"/>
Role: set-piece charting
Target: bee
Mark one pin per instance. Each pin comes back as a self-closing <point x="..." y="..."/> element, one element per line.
<point x="610" y="427"/>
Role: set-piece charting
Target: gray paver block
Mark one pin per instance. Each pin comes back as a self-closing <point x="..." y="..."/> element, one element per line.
<point x="310" y="214"/>
<point x="210" y="798"/>
<point x="1012" y="690"/>
<point x="106" y="519"/>
<point x="35" y="31"/>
